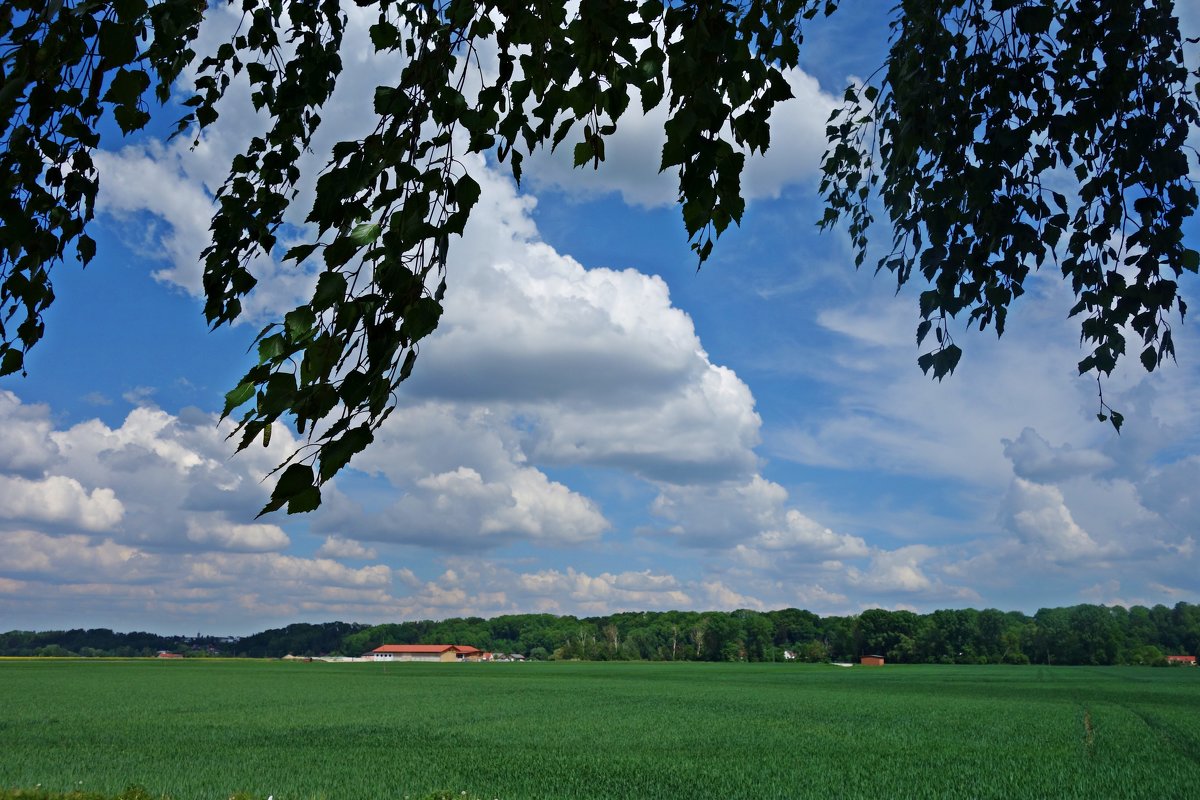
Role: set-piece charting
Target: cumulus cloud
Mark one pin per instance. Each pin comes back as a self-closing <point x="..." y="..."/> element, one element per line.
<point x="1034" y="459"/>
<point x="896" y="571"/>
<point x="156" y="480"/>
<point x="625" y="591"/>
<point x="73" y="556"/>
<point x="460" y="505"/>
<point x="722" y="598"/>
<point x="221" y="591"/>
<point x="25" y="447"/>
<point x="59" y="500"/>
<point x="753" y="516"/>
<point x="598" y="363"/>
<point x="338" y="547"/>
<point x="1039" y="517"/>
<point x="801" y="533"/>
<point x="463" y="484"/>
<point x="274" y="569"/>
<point x="224" y="535"/>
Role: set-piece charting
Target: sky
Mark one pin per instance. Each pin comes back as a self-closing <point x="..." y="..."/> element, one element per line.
<point x="596" y="426"/>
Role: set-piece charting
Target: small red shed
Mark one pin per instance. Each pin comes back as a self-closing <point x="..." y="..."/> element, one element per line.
<point x="872" y="661"/>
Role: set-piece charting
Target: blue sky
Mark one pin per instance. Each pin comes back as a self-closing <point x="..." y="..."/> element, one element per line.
<point x="596" y="426"/>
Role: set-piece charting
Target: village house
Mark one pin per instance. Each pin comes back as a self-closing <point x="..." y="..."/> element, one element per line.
<point x="425" y="652"/>
<point x="1189" y="661"/>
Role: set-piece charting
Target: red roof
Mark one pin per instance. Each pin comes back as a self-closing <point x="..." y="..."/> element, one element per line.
<point x="413" y="648"/>
<point x="425" y="648"/>
<point x="1183" y="659"/>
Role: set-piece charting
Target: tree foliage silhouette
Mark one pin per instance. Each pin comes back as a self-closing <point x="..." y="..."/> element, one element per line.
<point x="998" y="133"/>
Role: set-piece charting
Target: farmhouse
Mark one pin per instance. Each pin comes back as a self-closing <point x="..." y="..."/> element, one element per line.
<point x="872" y="661"/>
<point x="424" y="652"/>
<point x="1185" y="660"/>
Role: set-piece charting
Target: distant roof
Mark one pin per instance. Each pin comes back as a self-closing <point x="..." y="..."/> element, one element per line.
<point x="424" y="648"/>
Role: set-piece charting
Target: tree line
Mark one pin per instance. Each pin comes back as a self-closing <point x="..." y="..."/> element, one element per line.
<point x="1082" y="634"/>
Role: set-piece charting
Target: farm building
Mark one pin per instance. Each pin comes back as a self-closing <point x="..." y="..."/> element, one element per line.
<point x="1185" y="660"/>
<point x="872" y="661"/>
<point x="425" y="652"/>
<point x="166" y="654"/>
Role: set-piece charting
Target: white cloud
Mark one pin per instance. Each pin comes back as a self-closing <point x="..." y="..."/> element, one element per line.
<point x="752" y="516"/>
<point x="157" y="480"/>
<point x="59" y="500"/>
<point x="219" y="534"/>
<point x="599" y="365"/>
<point x="608" y="591"/>
<point x="462" y="484"/>
<point x="1037" y="514"/>
<point x="633" y="154"/>
<point x="339" y="547"/>
<point x="459" y="504"/>
<point x="25" y="447"/>
<point x="70" y="559"/>
<point x="265" y="570"/>
<point x="895" y="571"/>
<point x="720" y="597"/>
<point x="1034" y="459"/>
<point x="801" y="533"/>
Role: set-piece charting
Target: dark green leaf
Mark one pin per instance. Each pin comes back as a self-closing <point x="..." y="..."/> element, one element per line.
<point x="365" y="233"/>
<point x="421" y="318"/>
<point x="236" y="397"/>
<point x="297" y="481"/>
<point x="300" y="252"/>
<point x="337" y="453"/>
<point x="11" y="362"/>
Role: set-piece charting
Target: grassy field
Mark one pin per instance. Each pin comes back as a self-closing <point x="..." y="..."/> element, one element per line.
<point x="196" y="729"/>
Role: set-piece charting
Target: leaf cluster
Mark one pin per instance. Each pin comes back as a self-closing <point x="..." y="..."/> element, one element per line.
<point x="63" y="65"/>
<point x="1000" y="133"/>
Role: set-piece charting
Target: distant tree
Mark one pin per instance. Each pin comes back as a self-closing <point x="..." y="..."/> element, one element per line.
<point x="1051" y="643"/>
<point x="998" y="134"/>
<point x="1094" y="634"/>
<point x="814" y="652"/>
<point x="53" y="651"/>
<point x="759" y="636"/>
<point x="1146" y="655"/>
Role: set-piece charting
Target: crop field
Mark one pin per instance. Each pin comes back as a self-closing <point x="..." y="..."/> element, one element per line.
<point x="202" y="729"/>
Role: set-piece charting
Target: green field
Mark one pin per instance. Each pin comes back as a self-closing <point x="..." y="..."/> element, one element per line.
<point x="197" y="729"/>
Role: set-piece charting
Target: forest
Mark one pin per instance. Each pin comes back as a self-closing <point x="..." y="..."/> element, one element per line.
<point x="1082" y="634"/>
